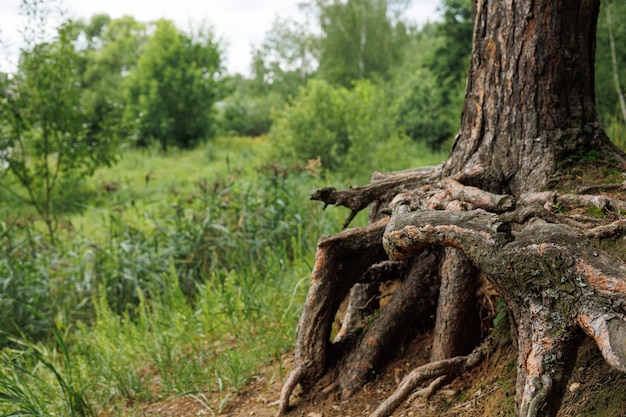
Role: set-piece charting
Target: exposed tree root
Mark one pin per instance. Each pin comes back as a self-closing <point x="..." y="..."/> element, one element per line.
<point x="438" y="370"/>
<point x="341" y="260"/>
<point x="382" y="188"/>
<point x="457" y="326"/>
<point x="542" y="262"/>
<point x="411" y="302"/>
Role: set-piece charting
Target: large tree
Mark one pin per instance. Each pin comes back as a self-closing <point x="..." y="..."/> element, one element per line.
<point x="528" y="124"/>
<point x="172" y="91"/>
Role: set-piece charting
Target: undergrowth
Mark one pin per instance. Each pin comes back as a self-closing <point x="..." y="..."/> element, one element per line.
<point x="174" y="275"/>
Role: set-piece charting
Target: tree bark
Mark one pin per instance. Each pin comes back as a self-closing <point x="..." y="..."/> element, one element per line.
<point x="530" y="93"/>
<point x="457" y="326"/>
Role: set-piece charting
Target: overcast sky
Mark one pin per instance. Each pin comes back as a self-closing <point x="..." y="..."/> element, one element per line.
<point x="240" y="23"/>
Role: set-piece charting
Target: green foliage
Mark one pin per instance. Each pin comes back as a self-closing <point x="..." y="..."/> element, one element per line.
<point x="113" y="46"/>
<point x="313" y="126"/>
<point x="285" y="60"/>
<point x="45" y="136"/>
<point x="32" y="273"/>
<point x="450" y="58"/>
<point x="171" y="95"/>
<point x="351" y="131"/>
<point x="156" y="293"/>
<point x="32" y="374"/>
<point x="609" y="74"/>
<point x="246" y="113"/>
<point x="359" y="40"/>
<point x="432" y="108"/>
<point x="421" y="111"/>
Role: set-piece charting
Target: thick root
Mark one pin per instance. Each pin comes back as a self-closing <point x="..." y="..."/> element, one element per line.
<point x="411" y="302"/>
<point x="447" y="368"/>
<point x="340" y="262"/>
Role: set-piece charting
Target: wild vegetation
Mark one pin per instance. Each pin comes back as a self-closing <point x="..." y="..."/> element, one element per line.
<point x="156" y="236"/>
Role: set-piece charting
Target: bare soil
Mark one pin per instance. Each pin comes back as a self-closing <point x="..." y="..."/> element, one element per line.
<point x="489" y="390"/>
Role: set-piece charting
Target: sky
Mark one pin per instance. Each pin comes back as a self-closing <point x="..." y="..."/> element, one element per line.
<point x="241" y="24"/>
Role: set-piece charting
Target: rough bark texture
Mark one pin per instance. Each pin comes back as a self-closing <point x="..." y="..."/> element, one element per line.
<point x="488" y="209"/>
<point x="554" y="281"/>
<point x="530" y="93"/>
<point x="409" y="304"/>
<point x="457" y="327"/>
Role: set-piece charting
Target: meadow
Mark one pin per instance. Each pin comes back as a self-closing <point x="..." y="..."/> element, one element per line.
<point x="176" y="274"/>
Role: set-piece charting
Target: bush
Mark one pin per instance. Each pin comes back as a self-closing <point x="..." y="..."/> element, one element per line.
<point x="314" y="126"/>
<point x="420" y="111"/>
<point x="351" y="131"/>
<point x="249" y="116"/>
<point x="171" y="93"/>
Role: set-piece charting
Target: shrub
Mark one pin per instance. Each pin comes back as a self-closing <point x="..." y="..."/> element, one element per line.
<point x="420" y="112"/>
<point x="314" y="126"/>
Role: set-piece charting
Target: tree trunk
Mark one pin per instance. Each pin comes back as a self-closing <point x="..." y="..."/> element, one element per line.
<point x="529" y="108"/>
<point x="530" y="93"/>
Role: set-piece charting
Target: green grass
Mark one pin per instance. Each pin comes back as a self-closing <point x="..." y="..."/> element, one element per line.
<point x="182" y="281"/>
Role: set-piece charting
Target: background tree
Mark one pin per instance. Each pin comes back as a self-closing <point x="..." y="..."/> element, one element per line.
<point x="285" y="60"/>
<point x="283" y="63"/>
<point x="46" y="140"/>
<point x="529" y="110"/>
<point x="611" y="69"/>
<point x="113" y="47"/>
<point x="359" y="40"/>
<point x="171" y="95"/>
<point x="450" y="57"/>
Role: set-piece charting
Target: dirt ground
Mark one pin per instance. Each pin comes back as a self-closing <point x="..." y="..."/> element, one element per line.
<point x="488" y="390"/>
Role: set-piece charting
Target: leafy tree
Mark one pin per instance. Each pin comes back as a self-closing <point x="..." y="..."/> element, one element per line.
<point x="420" y="109"/>
<point x="348" y="130"/>
<point x="359" y="40"/>
<point x="113" y="47"/>
<point x="450" y="58"/>
<point x="171" y="94"/>
<point x="247" y="114"/>
<point x="285" y="60"/>
<point x="428" y="90"/>
<point x="45" y="138"/>
<point x="313" y="125"/>
<point x="449" y="62"/>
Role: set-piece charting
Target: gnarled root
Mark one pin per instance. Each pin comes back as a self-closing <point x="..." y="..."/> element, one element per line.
<point x="341" y="260"/>
<point x="448" y="368"/>
<point x="540" y="260"/>
<point x="553" y="279"/>
<point x="412" y="302"/>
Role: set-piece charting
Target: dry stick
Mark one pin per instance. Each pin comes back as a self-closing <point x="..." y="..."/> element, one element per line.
<point x="430" y="390"/>
<point x="451" y="368"/>
<point x="590" y="200"/>
<point x="358" y="198"/>
<point x="600" y="188"/>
